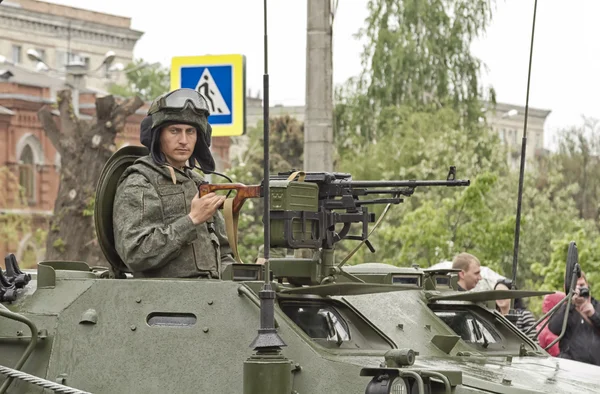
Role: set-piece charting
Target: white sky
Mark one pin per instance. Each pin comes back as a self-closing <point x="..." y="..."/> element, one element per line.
<point x="565" y="71"/>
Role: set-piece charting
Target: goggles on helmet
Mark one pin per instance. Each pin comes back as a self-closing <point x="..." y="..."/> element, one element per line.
<point x="180" y="99"/>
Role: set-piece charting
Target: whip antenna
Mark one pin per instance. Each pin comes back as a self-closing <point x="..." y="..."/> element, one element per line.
<point x="267" y="340"/>
<point x="523" y="152"/>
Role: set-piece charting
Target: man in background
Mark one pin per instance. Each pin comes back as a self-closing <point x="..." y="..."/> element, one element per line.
<point x="470" y="271"/>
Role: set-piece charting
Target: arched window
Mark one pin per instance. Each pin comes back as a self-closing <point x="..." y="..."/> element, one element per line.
<point x="30" y="155"/>
<point x="27" y="174"/>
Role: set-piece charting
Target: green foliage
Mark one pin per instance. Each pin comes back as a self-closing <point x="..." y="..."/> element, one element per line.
<point x="416" y="109"/>
<point x="146" y="81"/>
<point x="89" y="208"/>
<point x="59" y="244"/>
<point x="416" y="55"/>
<point x="577" y="154"/>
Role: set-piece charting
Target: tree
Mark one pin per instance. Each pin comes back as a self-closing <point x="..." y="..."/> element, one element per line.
<point x="415" y="110"/>
<point x="146" y="81"/>
<point x="578" y="155"/>
<point x="84" y="148"/>
<point x="416" y="55"/>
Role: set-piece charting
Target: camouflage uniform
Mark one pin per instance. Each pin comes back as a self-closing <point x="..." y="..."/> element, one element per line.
<point x="156" y="237"/>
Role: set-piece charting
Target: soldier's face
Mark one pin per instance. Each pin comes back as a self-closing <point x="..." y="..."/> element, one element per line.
<point x="177" y="142"/>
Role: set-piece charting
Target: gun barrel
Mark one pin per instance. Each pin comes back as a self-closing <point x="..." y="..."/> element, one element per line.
<point x="450" y="183"/>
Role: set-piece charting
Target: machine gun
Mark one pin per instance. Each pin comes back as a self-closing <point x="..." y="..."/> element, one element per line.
<point x="314" y="224"/>
<point x="304" y="214"/>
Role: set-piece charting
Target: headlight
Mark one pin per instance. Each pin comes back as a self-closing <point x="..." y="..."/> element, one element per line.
<point x="399" y="386"/>
<point x="383" y="385"/>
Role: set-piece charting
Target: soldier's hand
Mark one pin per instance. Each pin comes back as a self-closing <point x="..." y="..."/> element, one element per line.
<point x="203" y="208"/>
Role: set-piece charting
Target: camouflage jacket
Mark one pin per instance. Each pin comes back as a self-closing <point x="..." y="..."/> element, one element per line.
<point x="154" y="235"/>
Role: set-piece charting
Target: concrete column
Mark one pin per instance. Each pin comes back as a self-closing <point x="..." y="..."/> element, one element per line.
<point x="318" y="123"/>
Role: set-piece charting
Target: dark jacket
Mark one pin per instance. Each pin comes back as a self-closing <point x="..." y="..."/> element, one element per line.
<point x="581" y="341"/>
<point x="154" y="235"/>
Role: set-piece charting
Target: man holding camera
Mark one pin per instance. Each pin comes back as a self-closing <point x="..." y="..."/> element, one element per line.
<point x="581" y="341"/>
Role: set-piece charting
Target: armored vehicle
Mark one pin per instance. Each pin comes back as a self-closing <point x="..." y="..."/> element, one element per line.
<point x="324" y="327"/>
<point x="359" y="329"/>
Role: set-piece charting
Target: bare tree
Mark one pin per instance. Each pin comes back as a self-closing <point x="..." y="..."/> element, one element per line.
<point x="84" y="148"/>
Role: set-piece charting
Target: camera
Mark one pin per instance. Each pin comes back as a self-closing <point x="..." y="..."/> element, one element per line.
<point x="584" y="292"/>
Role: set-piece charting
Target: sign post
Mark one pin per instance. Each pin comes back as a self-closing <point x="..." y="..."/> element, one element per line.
<point x="221" y="79"/>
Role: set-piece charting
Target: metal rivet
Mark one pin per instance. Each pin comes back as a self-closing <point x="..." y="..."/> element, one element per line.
<point x="205" y="329"/>
<point x="138" y="300"/>
<point x="427" y="327"/>
<point x="210" y="302"/>
<point x="506" y="382"/>
<point x="133" y="327"/>
<point x="401" y="326"/>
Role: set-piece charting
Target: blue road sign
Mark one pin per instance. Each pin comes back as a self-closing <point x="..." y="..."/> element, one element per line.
<point x="221" y="80"/>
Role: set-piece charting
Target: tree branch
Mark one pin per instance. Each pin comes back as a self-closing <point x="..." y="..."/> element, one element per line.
<point x="104" y="108"/>
<point x="124" y="110"/>
<point x="68" y="120"/>
<point x="50" y="128"/>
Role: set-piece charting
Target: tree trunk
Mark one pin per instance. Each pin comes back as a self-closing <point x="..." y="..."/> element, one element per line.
<point x="84" y="148"/>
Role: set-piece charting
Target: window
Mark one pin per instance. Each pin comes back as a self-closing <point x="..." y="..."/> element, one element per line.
<point x="16" y="54"/>
<point x="27" y="174"/>
<point x="334" y="325"/>
<point x="62" y="59"/>
<point x="469" y="327"/>
<point x="79" y="59"/>
<point x="482" y="329"/>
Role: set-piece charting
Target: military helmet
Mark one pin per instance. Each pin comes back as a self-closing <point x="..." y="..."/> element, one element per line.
<point x="185" y="106"/>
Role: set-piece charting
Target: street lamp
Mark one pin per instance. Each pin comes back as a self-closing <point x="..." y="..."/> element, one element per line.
<point x="510" y="114"/>
<point x="75" y="70"/>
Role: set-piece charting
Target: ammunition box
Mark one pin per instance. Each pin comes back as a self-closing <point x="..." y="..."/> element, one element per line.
<point x="294" y="214"/>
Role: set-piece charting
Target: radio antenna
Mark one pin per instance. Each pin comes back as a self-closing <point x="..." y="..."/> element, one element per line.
<point x="267" y="340"/>
<point x="523" y="152"/>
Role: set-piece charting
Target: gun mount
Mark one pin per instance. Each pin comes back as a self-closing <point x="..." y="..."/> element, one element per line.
<point x="316" y="210"/>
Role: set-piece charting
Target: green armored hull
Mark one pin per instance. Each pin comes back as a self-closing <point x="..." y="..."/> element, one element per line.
<point x="154" y="336"/>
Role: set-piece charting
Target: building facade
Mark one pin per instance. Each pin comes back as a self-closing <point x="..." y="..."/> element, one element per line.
<point x="61" y="35"/>
<point x="508" y="120"/>
<point x="30" y="166"/>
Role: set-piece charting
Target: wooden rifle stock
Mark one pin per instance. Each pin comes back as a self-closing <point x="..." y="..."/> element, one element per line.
<point x="243" y="192"/>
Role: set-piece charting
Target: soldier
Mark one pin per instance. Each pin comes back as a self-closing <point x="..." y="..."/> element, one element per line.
<point x="162" y="227"/>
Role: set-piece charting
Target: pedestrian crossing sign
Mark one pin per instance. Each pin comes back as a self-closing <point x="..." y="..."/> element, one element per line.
<point x="221" y="79"/>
